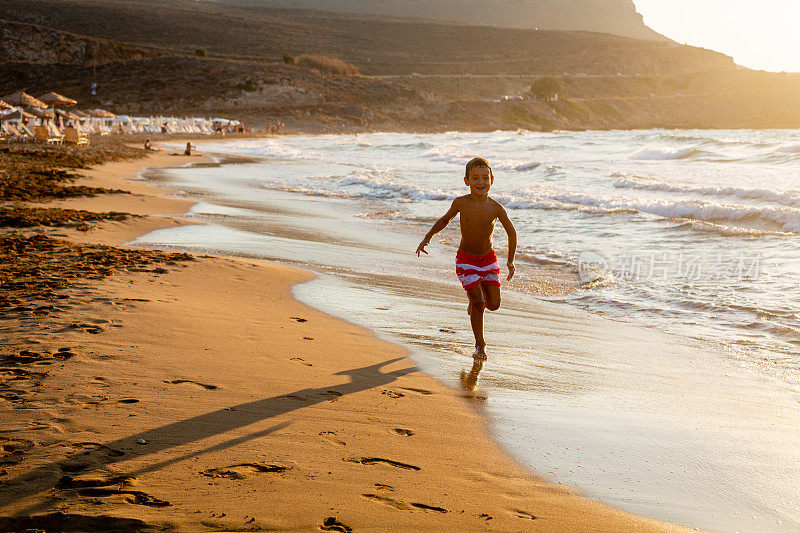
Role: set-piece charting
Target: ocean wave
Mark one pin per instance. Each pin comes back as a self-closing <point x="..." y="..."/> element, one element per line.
<point x="712" y="141"/>
<point x="665" y="154"/>
<point x="731" y="231"/>
<point x="790" y="149"/>
<point x="458" y="156"/>
<point x="787" y="198"/>
<point x="657" y="154"/>
<point x="306" y="191"/>
<point x="759" y="219"/>
<point x="388" y="188"/>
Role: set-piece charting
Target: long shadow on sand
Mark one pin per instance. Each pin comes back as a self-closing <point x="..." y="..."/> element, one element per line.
<point x="187" y="431"/>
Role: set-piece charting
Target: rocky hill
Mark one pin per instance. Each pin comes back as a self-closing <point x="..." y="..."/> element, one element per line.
<point x="418" y="75"/>
<point x="618" y="17"/>
<point x="377" y="45"/>
<point x="37" y="44"/>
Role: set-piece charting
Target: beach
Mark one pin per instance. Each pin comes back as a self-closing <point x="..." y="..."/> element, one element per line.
<point x="201" y="395"/>
<point x="664" y="385"/>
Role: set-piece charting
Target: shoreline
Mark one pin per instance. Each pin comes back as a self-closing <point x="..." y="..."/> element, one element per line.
<point x="570" y="395"/>
<point x="409" y="499"/>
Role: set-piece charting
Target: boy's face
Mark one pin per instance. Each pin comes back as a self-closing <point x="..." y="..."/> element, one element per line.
<point x="479" y="180"/>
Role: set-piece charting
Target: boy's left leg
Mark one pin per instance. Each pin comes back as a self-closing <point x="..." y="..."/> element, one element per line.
<point x="491" y="295"/>
<point x="477" y="305"/>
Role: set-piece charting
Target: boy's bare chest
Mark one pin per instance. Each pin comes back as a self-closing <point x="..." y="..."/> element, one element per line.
<point x="478" y="218"/>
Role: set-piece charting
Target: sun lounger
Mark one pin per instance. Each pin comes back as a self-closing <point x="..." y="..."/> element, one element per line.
<point x="71" y="136"/>
<point x="26" y="132"/>
<point x="53" y="130"/>
<point x="15" y="134"/>
<point x="42" y="135"/>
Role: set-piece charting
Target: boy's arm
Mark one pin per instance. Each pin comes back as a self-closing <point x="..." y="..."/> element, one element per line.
<point x="512" y="240"/>
<point x="437" y="227"/>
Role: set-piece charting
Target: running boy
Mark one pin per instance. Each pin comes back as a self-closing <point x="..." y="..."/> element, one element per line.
<point x="476" y="262"/>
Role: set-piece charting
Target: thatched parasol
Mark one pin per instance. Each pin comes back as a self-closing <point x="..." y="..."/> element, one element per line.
<point x="40" y="113"/>
<point x="22" y="99"/>
<point x="5" y="105"/>
<point x="57" y="100"/>
<point x="16" y="115"/>
<point x="68" y="114"/>
<point x="101" y="113"/>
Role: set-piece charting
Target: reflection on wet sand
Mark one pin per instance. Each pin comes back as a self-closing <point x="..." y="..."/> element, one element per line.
<point x="469" y="381"/>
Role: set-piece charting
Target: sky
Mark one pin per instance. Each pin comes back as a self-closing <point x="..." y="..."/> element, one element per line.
<point x="763" y="35"/>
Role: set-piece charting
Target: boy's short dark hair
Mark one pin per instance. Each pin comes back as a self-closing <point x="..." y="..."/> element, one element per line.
<point x="478" y="162"/>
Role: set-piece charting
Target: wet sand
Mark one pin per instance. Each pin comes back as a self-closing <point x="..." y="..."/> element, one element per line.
<point x="202" y="396"/>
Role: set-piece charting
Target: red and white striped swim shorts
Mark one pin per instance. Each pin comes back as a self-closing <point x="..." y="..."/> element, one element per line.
<point x="472" y="269"/>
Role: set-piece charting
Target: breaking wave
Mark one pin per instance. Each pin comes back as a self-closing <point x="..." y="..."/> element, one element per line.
<point x="787" y="198"/>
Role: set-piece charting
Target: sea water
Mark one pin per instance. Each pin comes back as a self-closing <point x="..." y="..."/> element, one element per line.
<point x="689" y="236"/>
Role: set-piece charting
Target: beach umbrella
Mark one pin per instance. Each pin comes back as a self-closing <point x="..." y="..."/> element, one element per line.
<point x="22" y="99"/>
<point x="55" y="99"/>
<point x="40" y="113"/>
<point x="101" y="113"/>
<point x="19" y="114"/>
<point x="68" y="115"/>
<point x="5" y="105"/>
<point x="80" y="114"/>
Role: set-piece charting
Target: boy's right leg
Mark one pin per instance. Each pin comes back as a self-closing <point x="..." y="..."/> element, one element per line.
<point x="477" y="305"/>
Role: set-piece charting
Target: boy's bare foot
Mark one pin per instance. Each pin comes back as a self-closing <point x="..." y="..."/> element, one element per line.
<point x="479" y="353"/>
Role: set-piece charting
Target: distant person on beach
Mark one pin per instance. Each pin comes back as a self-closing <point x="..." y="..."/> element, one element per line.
<point x="147" y="145"/>
<point x="189" y="147"/>
<point x="476" y="261"/>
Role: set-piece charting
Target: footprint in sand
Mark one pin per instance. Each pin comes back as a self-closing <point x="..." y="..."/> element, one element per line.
<point x="88" y="328"/>
<point x="387" y="501"/>
<point x="523" y="514"/>
<point x="131" y="496"/>
<point x="380" y="460"/>
<point x="301" y="361"/>
<point x="69" y="482"/>
<point x="331" y="437"/>
<point x="128" y="400"/>
<point x="297" y="397"/>
<point x="242" y="471"/>
<point x="298" y="319"/>
<point x="331" y="524"/>
<point x="421" y="391"/>
<point x="402" y="506"/>
<point x="64" y="353"/>
<point x="404" y="432"/>
<point x="14" y="450"/>
<point x="203" y="385"/>
<point x="392" y="394"/>
<point x="331" y="395"/>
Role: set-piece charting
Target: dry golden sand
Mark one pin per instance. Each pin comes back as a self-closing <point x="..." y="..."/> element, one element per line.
<point x="213" y="400"/>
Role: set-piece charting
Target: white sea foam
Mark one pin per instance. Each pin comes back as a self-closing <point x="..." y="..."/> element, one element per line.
<point x="789" y="149"/>
<point x="383" y="188"/>
<point x="657" y="154"/>
<point x="787" y="198"/>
